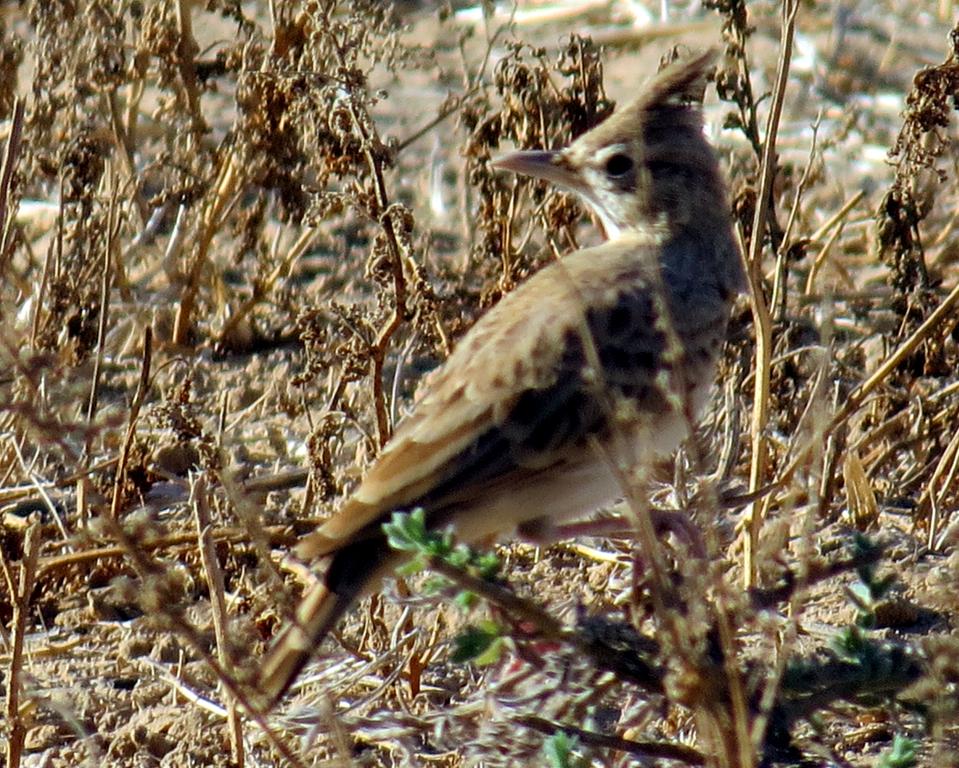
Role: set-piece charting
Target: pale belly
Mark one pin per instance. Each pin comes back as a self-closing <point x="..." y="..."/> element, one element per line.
<point x="583" y="484"/>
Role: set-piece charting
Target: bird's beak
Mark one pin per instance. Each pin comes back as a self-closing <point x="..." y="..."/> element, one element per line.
<point x="550" y="166"/>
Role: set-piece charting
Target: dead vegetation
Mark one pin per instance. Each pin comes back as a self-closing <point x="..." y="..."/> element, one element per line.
<point x="235" y="238"/>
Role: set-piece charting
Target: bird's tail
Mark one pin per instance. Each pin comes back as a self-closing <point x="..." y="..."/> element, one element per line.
<point x="317" y="614"/>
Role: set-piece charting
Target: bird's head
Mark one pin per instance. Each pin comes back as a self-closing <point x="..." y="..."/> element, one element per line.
<point x="646" y="166"/>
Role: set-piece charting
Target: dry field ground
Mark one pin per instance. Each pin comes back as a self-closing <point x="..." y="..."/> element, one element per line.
<point x="236" y="236"/>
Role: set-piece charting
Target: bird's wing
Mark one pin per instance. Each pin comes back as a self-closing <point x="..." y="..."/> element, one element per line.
<point x="513" y="397"/>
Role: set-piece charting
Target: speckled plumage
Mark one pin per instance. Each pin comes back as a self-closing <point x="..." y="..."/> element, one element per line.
<point x="508" y="433"/>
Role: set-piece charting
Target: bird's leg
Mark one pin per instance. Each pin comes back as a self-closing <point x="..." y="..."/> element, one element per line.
<point x="543" y="530"/>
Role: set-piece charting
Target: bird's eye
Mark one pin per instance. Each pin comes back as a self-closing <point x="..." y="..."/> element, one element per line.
<point x="619" y="165"/>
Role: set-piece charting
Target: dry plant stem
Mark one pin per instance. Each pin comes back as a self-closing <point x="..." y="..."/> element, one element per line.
<point x="16" y="493"/>
<point x="858" y="396"/>
<point x="228" y="181"/>
<point x="778" y="298"/>
<point x="909" y="346"/>
<point x="740" y="750"/>
<point x="641" y="749"/>
<point x="186" y="46"/>
<point x="837" y="217"/>
<point x="221" y="421"/>
<point x="746" y="103"/>
<point x="10" y="155"/>
<point x="249" y="513"/>
<point x="142" y="386"/>
<point x="761" y="318"/>
<point x="809" y="422"/>
<point x="45" y="275"/>
<point x="136" y="88"/>
<point x="10" y="583"/>
<point x="338" y="733"/>
<point x="278" y="535"/>
<point x="400" y="669"/>
<point x="125" y="145"/>
<point x="385" y="334"/>
<point x="148" y="571"/>
<point x="448" y="109"/>
<point x="820" y="260"/>
<point x="278" y="481"/>
<point x="105" y="284"/>
<point x="931" y="498"/>
<point x="803" y="183"/>
<point x="280" y="272"/>
<point x="783" y="641"/>
<point x="383" y="427"/>
<point x="214" y="580"/>
<point x="30" y="412"/>
<point x="21" y="606"/>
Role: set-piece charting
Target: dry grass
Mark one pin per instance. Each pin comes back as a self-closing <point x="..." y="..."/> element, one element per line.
<point x="236" y="237"/>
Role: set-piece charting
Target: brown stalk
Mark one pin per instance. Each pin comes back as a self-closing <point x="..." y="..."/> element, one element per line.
<point x="221" y="617"/>
<point x="143" y="385"/>
<point x="761" y="317"/>
<point x="21" y="607"/>
<point x="834" y="224"/>
<point x="449" y="108"/>
<point x="821" y="259"/>
<point x="56" y="247"/>
<point x="279" y="273"/>
<point x="105" y="284"/>
<point x="227" y="184"/>
<point x="186" y="49"/>
<point x="249" y="514"/>
<point x="10" y="156"/>
<point x="277" y="535"/>
<point x="860" y="393"/>
<point x="778" y="299"/>
<point x="383" y="215"/>
<point x="858" y="396"/>
<point x="641" y="749"/>
<point x="150" y="572"/>
<point x="125" y="145"/>
<point x="930" y="501"/>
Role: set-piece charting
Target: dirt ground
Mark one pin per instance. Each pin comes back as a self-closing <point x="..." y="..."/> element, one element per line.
<point x="211" y="215"/>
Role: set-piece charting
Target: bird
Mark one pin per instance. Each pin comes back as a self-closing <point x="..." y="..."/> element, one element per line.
<point x="607" y="346"/>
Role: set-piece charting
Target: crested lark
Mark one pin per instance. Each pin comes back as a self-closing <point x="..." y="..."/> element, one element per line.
<point x="610" y="346"/>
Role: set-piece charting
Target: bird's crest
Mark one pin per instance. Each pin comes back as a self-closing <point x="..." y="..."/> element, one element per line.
<point x="666" y="101"/>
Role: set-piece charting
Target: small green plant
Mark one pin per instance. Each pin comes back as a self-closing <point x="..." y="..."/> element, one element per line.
<point x="902" y="754"/>
<point x="866" y="593"/>
<point x="857" y="667"/>
<point x="407" y="532"/>
<point x="482" y="644"/>
<point x="560" y="750"/>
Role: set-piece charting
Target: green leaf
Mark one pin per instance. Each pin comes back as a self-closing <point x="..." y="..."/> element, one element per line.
<point x="412" y="567"/>
<point x="481" y="644"/>
<point x="559" y="750"/>
<point x="459" y="557"/>
<point x="849" y="644"/>
<point x="436" y="583"/>
<point x="488" y="564"/>
<point x="902" y="754"/>
<point x="861" y="595"/>
<point x="406" y="532"/>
